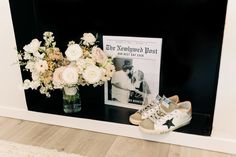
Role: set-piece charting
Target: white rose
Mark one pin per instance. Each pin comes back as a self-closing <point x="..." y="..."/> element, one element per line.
<point x="33" y="46"/>
<point x="41" y="66"/>
<point x="74" y="52"/>
<point x="88" y="38"/>
<point x="70" y="75"/>
<point x="70" y="90"/>
<point x="92" y="74"/>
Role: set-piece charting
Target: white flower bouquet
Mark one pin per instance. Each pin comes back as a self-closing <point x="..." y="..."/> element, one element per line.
<point x="83" y="63"/>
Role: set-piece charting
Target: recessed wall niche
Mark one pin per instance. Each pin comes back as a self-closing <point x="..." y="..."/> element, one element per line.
<point x="192" y="33"/>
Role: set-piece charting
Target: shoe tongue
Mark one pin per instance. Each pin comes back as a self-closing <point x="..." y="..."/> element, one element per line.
<point x="167" y="105"/>
<point x="158" y="99"/>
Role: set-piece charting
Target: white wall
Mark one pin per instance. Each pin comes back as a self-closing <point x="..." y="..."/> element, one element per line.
<point x="223" y="138"/>
<point x="225" y="112"/>
<point x="11" y="93"/>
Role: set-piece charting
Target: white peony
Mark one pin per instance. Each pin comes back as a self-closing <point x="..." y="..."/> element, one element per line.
<point x="92" y="74"/>
<point x="41" y="66"/>
<point x="89" y="39"/>
<point x="70" y="75"/>
<point x="33" y="46"/>
<point x="74" y="52"/>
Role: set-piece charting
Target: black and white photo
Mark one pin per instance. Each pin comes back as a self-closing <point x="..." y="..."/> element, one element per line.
<point x="137" y="66"/>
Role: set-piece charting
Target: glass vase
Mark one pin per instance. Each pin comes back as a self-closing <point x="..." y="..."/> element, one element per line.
<point x="71" y="100"/>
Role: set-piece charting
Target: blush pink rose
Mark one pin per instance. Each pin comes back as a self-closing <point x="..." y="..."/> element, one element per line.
<point x="57" y="77"/>
<point x="98" y="55"/>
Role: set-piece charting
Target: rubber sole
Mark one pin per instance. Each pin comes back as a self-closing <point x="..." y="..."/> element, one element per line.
<point x="134" y="121"/>
<point x="148" y="131"/>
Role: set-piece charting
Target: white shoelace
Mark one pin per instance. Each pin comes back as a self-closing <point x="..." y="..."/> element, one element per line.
<point x="161" y="116"/>
<point x="157" y="115"/>
<point x="153" y="110"/>
<point x="150" y="108"/>
<point x="150" y="111"/>
<point x="146" y="107"/>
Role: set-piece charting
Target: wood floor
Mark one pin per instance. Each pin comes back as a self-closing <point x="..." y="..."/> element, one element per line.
<point x="92" y="144"/>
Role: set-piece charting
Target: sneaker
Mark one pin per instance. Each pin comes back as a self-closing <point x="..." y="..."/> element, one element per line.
<point x="154" y="106"/>
<point x="179" y="117"/>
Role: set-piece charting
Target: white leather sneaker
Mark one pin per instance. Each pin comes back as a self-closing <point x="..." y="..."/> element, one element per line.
<point x="150" y="108"/>
<point x="179" y="117"/>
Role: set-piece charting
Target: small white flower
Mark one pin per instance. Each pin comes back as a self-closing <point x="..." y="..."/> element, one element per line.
<point x="42" y="90"/>
<point x="70" y="75"/>
<point x="88" y="38"/>
<point x="83" y="64"/>
<point x="47" y="34"/>
<point x="30" y="66"/>
<point x="80" y="64"/>
<point x="34" y="84"/>
<point x="27" y="56"/>
<point x="35" y="76"/>
<point x="47" y="94"/>
<point x="19" y="56"/>
<point x="71" y="43"/>
<point x="38" y="55"/>
<point x="42" y="48"/>
<point x="92" y="74"/>
<point x="41" y="66"/>
<point x="33" y="46"/>
<point x="74" y="52"/>
<point x="26" y="84"/>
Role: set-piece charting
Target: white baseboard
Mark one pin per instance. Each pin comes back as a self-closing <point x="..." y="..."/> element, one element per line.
<point x="189" y="140"/>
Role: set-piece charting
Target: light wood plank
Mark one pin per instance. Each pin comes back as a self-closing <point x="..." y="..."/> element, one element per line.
<point x="81" y="142"/>
<point x="54" y="137"/>
<point x="179" y="151"/>
<point x="131" y="147"/>
<point x="29" y="133"/>
<point x="8" y="126"/>
<point x="92" y="144"/>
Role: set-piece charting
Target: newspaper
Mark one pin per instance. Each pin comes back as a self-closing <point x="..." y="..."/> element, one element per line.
<point x="137" y="62"/>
